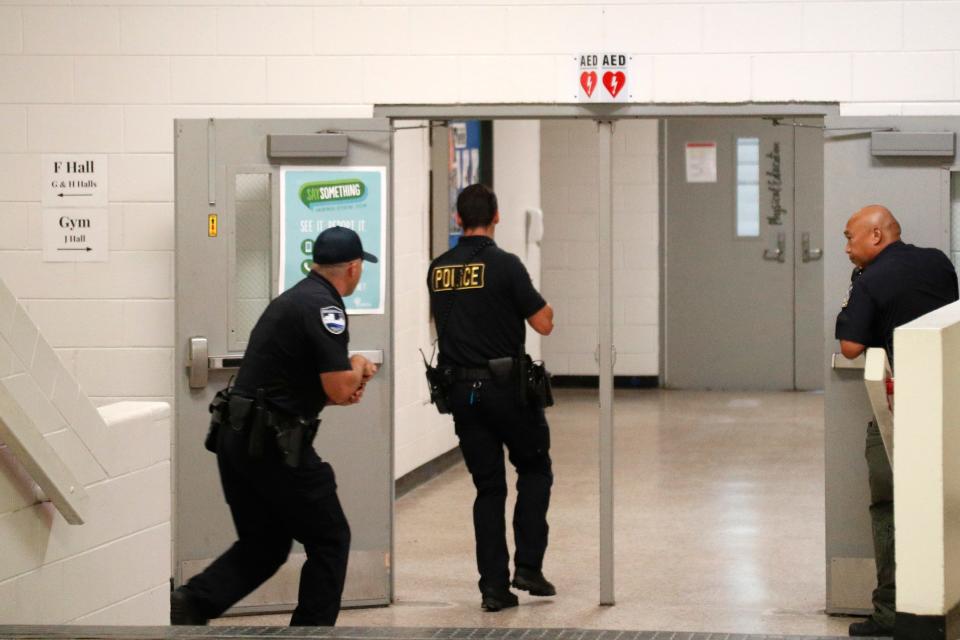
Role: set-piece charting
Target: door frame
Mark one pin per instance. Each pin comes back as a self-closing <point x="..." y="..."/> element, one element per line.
<point x="605" y="116"/>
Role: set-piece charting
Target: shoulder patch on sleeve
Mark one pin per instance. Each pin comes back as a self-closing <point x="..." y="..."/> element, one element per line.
<point x="334" y="319"/>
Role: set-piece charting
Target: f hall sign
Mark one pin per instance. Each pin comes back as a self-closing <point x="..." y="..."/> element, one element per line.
<point x="603" y="77"/>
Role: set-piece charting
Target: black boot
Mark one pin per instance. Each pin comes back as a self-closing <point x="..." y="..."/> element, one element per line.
<point x="183" y="611"/>
<point x="533" y="582"/>
<point x="870" y="628"/>
<point x="497" y="599"/>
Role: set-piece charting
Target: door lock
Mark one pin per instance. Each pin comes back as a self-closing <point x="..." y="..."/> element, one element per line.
<point x="808" y="254"/>
<point x="778" y="254"/>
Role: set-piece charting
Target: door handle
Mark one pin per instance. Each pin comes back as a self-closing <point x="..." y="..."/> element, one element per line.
<point x="778" y="254"/>
<point x="373" y="355"/>
<point x="809" y="255"/>
<point x="200" y="363"/>
<point x="198" y="367"/>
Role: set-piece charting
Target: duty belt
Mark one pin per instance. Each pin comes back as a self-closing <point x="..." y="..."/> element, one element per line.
<point x="466" y="373"/>
<point x="265" y="426"/>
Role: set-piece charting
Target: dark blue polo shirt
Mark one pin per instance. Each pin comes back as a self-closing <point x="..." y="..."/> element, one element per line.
<point x="903" y="283"/>
<point x="302" y="333"/>
<point x="480" y="297"/>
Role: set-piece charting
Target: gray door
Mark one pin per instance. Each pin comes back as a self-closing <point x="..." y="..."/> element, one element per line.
<point x="227" y="270"/>
<point x="917" y="190"/>
<point x="741" y="265"/>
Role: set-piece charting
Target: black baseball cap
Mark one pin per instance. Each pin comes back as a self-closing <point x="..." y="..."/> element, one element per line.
<point x="339" y="244"/>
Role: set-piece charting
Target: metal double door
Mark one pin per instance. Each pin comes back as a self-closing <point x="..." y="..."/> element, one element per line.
<point x="743" y="238"/>
<point x="227" y="270"/>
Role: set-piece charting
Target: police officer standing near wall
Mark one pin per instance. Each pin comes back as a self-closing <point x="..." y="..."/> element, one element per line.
<point x="893" y="283"/>
<point x="278" y="488"/>
<point x="480" y="296"/>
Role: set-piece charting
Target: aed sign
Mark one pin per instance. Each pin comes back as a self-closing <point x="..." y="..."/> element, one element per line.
<point x="73" y="180"/>
<point x="75" y="235"/>
<point x="602" y="77"/>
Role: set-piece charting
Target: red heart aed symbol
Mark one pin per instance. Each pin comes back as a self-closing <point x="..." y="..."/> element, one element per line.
<point x="614" y="81"/>
<point x="588" y="80"/>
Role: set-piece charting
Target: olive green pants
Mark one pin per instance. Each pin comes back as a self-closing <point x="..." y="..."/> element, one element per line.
<point x="881" y="516"/>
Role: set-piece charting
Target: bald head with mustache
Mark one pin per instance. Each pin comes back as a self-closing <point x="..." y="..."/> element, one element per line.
<point x="869" y="231"/>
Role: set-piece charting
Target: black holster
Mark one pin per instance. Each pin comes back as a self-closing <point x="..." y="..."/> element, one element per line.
<point x="530" y="379"/>
<point x="534" y="380"/>
<point x="439" y="381"/>
<point x="293" y="438"/>
<point x="502" y="369"/>
<point x="537" y="382"/>
<point x="219" y="415"/>
<point x="271" y="432"/>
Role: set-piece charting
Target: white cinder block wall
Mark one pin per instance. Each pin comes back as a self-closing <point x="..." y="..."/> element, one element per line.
<point x="516" y="179"/>
<point x="571" y="212"/>
<point x="120" y="455"/>
<point x="421" y="433"/>
<point x="109" y="76"/>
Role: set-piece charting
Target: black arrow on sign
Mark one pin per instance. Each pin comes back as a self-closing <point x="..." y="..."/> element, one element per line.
<point x="73" y="195"/>
<point x="76" y="249"/>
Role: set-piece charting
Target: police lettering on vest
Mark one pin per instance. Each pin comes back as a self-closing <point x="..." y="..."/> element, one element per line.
<point x="480" y="297"/>
<point x="455" y="277"/>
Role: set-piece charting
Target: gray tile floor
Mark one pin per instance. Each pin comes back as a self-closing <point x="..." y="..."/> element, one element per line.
<point x="719" y="535"/>
<point x="719" y="524"/>
<point x="364" y="633"/>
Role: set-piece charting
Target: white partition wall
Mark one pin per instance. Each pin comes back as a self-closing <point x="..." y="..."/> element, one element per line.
<point x="927" y="487"/>
<point x="516" y="179"/>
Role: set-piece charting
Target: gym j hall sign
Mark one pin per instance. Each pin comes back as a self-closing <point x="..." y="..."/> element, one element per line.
<point x="602" y="77"/>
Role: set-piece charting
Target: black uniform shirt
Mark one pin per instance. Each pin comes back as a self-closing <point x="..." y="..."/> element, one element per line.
<point x="301" y="334"/>
<point x="480" y="297"/>
<point x="903" y="283"/>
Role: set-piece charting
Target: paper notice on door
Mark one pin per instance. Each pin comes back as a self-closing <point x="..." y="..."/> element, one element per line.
<point x="701" y="162"/>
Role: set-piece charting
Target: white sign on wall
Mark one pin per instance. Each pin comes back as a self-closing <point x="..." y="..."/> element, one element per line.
<point x="73" y="187"/>
<point x="73" y="180"/>
<point x="75" y="235"/>
<point x="701" y="161"/>
<point x="602" y="77"/>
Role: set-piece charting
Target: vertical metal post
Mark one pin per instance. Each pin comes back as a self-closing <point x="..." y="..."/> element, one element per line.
<point x="605" y="351"/>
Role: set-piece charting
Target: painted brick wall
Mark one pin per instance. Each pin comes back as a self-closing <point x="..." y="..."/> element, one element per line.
<point x="570" y="280"/>
<point x="109" y="76"/>
<point x="120" y="454"/>
<point x="516" y="179"/>
<point x="421" y="433"/>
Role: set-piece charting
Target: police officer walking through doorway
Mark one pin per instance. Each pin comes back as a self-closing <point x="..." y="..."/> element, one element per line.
<point x="277" y="487"/>
<point x="480" y="297"/>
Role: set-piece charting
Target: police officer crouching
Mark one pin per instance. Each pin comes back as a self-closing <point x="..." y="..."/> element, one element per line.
<point x="480" y="296"/>
<point x="278" y="488"/>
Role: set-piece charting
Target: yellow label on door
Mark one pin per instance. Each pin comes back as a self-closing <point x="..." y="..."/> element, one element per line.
<point x="212" y="225"/>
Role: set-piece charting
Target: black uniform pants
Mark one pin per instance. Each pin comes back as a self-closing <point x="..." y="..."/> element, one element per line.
<point x="880" y="476"/>
<point x="272" y="505"/>
<point x="487" y="416"/>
